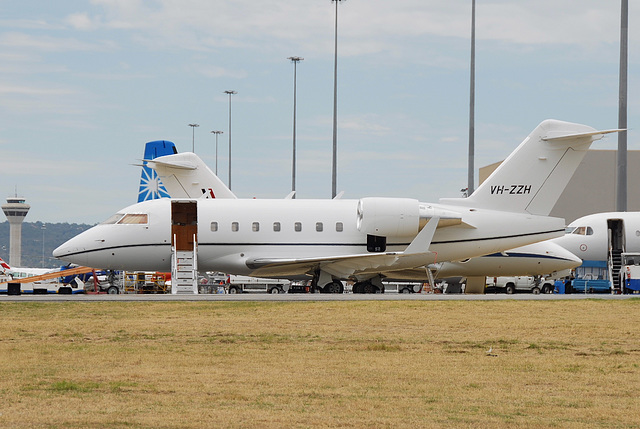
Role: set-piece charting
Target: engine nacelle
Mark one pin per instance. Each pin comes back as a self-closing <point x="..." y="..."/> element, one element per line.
<point x="388" y="217"/>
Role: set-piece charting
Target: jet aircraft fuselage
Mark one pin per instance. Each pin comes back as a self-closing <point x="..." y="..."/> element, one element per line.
<point x="288" y="237"/>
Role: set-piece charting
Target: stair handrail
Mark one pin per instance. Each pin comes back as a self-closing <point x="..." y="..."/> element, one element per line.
<point x="195" y="264"/>
<point x="174" y="267"/>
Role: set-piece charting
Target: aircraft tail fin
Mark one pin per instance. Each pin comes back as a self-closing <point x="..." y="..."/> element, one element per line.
<point x="151" y="187"/>
<point x="534" y="176"/>
<point x="4" y="265"/>
<point x="185" y="175"/>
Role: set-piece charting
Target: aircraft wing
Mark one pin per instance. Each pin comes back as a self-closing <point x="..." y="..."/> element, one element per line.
<point x="416" y="255"/>
<point x="341" y="266"/>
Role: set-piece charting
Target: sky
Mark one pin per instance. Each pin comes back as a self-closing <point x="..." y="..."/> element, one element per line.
<point x="84" y="84"/>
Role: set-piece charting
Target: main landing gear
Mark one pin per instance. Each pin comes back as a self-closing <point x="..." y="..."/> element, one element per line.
<point x="324" y="283"/>
<point x="373" y="285"/>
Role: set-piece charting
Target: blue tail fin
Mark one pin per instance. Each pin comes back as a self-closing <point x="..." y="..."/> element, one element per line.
<point x="151" y="187"/>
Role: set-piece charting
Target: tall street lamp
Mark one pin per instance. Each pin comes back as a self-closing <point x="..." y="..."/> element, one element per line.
<point x="621" y="177"/>
<point x="217" y="133"/>
<point x="472" y="104"/>
<point x="295" y="61"/>
<point x="44" y="228"/>
<point x="193" y="136"/>
<point x="334" y="165"/>
<point x="230" y="93"/>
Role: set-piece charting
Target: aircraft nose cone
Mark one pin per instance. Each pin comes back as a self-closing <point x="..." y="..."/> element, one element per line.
<point x="71" y="252"/>
<point x="60" y="251"/>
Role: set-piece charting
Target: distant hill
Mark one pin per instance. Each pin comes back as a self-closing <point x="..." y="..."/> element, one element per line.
<point x="32" y="238"/>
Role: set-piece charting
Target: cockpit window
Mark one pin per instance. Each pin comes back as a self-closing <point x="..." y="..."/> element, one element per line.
<point x="580" y="230"/>
<point x="113" y="219"/>
<point x="134" y="219"/>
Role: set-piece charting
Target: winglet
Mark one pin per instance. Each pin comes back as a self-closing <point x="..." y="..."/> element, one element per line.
<point x="422" y="241"/>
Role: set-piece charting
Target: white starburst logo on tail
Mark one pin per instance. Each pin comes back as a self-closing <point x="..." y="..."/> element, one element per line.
<point x="151" y="187"/>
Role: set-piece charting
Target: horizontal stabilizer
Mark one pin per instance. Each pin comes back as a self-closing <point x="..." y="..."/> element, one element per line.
<point x="172" y="163"/>
<point x="593" y="134"/>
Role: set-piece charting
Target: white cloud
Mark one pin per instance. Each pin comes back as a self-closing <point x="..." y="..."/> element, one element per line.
<point x="15" y="40"/>
<point x="81" y="21"/>
<point x="365" y="124"/>
<point x="26" y="90"/>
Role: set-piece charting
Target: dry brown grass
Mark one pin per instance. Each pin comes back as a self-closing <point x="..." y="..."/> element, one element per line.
<point x="384" y="364"/>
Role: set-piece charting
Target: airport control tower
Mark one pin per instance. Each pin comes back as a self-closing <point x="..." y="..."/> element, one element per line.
<point x="15" y="210"/>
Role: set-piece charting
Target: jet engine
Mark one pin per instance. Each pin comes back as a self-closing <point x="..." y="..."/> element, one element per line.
<point x="388" y="217"/>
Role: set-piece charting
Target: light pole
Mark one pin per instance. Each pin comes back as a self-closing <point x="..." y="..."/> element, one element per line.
<point x="230" y="92"/>
<point x="295" y="61"/>
<point x="44" y="228"/>
<point x="472" y="104"/>
<point x="217" y="133"/>
<point x="621" y="179"/>
<point x="193" y="136"/>
<point x="334" y="165"/>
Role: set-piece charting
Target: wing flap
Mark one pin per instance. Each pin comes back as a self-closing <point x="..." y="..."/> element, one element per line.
<point x="341" y="266"/>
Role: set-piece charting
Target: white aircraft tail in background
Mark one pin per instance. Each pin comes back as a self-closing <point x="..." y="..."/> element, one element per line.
<point x="185" y="175"/>
<point x="533" y="177"/>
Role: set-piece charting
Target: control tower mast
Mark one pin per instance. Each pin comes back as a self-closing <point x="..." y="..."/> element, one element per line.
<point x="15" y="210"/>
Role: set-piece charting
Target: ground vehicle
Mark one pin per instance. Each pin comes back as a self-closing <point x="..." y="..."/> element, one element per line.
<point x="402" y="287"/>
<point x="521" y="283"/>
<point x="591" y="276"/>
<point x="631" y="272"/>
<point x="244" y="284"/>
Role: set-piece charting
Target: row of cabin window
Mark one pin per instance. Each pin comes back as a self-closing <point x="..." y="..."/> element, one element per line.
<point x="297" y="226"/>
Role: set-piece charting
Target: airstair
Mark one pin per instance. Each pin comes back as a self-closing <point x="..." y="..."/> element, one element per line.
<point x="615" y="264"/>
<point x="184" y="270"/>
<point x="184" y="247"/>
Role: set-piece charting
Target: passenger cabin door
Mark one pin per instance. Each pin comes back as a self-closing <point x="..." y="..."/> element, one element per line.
<point x="184" y="224"/>
<point x="615" y="228"/>
<point x="616" y="235"/>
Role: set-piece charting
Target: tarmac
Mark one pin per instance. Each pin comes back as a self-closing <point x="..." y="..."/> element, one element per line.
<point x="255" y="297"/>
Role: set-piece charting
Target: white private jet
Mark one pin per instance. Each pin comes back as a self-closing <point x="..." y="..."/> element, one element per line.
<point x="185" y="175"/>
<point x="594" y="237"/>
<point x="332" y="240"/>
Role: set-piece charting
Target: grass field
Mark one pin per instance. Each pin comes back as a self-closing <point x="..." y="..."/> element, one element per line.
<point x="391" y="364"/>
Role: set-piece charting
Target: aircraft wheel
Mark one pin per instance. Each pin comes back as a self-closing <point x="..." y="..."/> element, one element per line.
<point x="358" y="287"/>
<point x="370" y="288"/>
<point x="113" y="290"/>
<point x="536" y="290"/>
<point x="333" y="287"/>
<point x="510" y="289"/>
